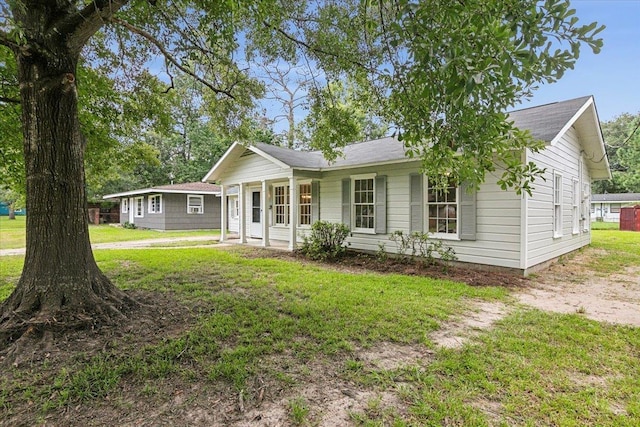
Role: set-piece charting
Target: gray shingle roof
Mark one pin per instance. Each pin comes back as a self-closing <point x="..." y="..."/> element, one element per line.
<point x="545" y="122"/>
<point x="616" y="197"/>
<point x="188" y="187"/>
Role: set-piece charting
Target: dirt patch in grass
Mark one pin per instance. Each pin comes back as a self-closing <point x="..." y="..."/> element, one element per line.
<point x="570" y="286"/>
<point x="457" y="332"/>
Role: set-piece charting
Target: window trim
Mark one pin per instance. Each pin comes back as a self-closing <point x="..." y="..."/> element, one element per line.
<point x="300" y="205"/>
<point x="286" y="205"/>
<point x="556" y="201"/>
<point x="440" y="235"/>
<point x="362" y="177"/>
<point x="190" y="208"/>
<point x="575" y="206"/>
<point x="139" y="203"/>
<point x="149" y="204"/>
<point x="235" y="207"/>
<point x="124" y="205"/>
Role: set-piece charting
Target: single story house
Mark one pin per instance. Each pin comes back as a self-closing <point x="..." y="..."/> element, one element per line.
<point x="606" y="207"/>
<point x="188" y="206"/>
<point x="375" y="190"/>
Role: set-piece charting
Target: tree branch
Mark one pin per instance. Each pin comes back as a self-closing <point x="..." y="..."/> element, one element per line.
<point x="170" y="57"/>
<point x="6" y="41"/>
<point x="9" y="100"/>
<point x="81" y="26"/>
<point x="316" y="50"/>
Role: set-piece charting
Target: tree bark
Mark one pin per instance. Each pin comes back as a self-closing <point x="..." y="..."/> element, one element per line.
<point x="61" y="286"/>
<point x="12" y="212"/>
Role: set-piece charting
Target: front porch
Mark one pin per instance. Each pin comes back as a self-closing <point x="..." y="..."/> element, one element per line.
<point x="270" y="212"/>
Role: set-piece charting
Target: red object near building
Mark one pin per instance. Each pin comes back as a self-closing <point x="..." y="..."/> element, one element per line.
<point x="630" y="218"/>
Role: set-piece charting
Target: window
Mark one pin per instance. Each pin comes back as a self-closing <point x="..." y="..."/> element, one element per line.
<point x="195" y="204"/>
<point x="304" y="204"/>
<point x="124" y="205"/>
<point x="557" y="204"/>
<point x="586" y="202"/>
<point x="575" y="206"/>
<point x="235" y="208"/>
<point x="615" y="207"/>
<point x="442" y="210"/>
<point x="139" y="207"/>
<point x="155" y="203"/>
<point x="364" y="203"/>
<point x="281" y="204"/>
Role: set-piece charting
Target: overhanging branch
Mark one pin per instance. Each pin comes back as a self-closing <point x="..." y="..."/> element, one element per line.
<point x="6" y="41"/>
<point x="315" y="49"/>
<point x="9" y="100"/>
<point x="165" y="52"/>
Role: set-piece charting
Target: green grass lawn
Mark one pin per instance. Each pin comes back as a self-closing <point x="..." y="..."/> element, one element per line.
<point x="12" y="233"/>
<point x="269" y="319"/>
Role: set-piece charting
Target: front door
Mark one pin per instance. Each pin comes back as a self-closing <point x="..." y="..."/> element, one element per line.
<point x="256" y="215"/>
<point x="131" y="209"/>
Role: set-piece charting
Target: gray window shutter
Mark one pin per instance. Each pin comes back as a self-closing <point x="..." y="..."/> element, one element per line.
<point x="315" y="201"/>
<point x="346" y="202"/>
<point x="381" y="204"/>
<point x="416" y="218"/>
<point x="467" y="212"/>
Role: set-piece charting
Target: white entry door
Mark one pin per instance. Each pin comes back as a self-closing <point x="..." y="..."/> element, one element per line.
<point x="256" y="215"/>
<point x="131" y="209"/>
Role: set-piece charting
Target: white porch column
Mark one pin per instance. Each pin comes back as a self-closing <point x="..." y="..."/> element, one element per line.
<point x="264" y="211"/>
<point x="293" y="213"/>
<point x="242" y="217"/>
<point x="223" y="213"/>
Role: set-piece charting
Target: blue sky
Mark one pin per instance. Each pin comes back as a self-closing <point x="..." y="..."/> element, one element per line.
<point x="612" y="76"/>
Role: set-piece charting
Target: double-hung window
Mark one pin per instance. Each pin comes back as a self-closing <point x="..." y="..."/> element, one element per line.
<point x="124" y="205"/>
<point x="195" y="204"/>
<point x="155" y="203"/>
<point x="364" y="203"/>
<point x="557" y="204"/>
<point x="304" y="204"/>
<point x="442" y="210"/>
<point x="139" y="207"/>
<point x="281" y="205"/>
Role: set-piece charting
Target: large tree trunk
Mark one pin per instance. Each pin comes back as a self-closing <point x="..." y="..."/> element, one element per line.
<point x="61" y="286"/>
<point x="12" y="212"/>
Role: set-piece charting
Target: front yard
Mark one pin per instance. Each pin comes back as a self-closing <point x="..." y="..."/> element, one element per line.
<point x="12" y="233"/>
<point x="237" y="337"/>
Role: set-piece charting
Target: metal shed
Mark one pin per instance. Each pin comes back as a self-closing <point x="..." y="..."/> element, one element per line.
<point x="630" y="218"/>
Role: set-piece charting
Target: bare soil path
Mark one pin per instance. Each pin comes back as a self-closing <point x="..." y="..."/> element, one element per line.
<point x="572" y="288"/>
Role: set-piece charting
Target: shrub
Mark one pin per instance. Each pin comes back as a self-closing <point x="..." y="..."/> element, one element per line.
<point x="129" y="225"/>
<point x="419" y="244"/>
<point x="326" y="241"/>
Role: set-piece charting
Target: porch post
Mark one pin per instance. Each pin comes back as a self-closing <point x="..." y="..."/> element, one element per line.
<point x="293" y="213"/>
<point x="242" y="220"/>
<point x="223" y="213"/>
<point x="264" y="210"/>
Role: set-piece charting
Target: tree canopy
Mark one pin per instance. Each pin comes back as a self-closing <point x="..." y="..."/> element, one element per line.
<point x="442" y="74"/>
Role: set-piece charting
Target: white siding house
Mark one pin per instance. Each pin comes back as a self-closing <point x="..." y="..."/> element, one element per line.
<point x="375" y="189"/>
<point x="606" y="207"/>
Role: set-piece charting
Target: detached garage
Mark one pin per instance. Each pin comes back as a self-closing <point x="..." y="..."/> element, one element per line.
<point x="188" y="206"/>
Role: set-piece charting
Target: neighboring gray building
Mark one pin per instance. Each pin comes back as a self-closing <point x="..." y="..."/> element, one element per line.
<point x="606" y="207"/>
<point x="375" y="189"/>
<point x="188" y="206"/>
